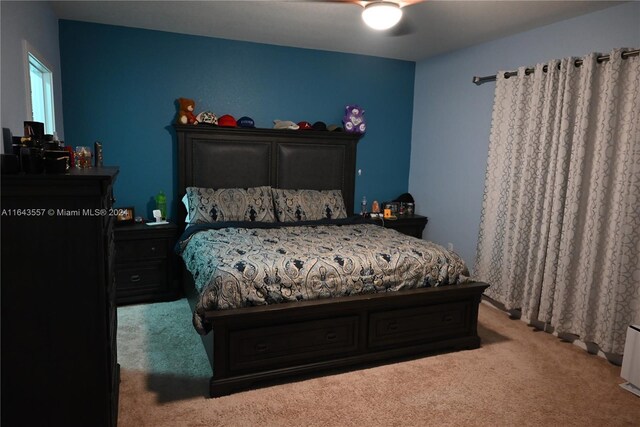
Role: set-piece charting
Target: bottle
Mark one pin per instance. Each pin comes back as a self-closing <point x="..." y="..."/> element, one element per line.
<point x="161" y="204"/>
<point x="97" y="153"/>
<point x="363" y="206"/>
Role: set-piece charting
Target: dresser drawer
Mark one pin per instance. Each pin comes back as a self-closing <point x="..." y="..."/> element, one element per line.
<point x="134" y="250"/>
<point x="419" y="325"/>
<point x="141" y="276"/>
<point x="282" y="345"/>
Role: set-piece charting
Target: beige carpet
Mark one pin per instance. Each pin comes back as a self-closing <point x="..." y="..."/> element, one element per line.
<point x="519" y="377"/>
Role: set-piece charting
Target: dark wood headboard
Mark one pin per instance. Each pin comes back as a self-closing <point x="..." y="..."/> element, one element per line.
<point x="218" y="157"/>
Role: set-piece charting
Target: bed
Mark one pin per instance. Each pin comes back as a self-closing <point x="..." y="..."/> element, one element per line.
<point x="269" y="337"/>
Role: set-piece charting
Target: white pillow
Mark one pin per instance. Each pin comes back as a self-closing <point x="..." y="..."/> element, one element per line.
<point x="185" y="202"/>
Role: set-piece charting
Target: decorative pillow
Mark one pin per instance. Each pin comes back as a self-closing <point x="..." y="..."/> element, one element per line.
<point x="185" y="202"/>
<point x="308" y="205"/>
<point x="230" y="204"/>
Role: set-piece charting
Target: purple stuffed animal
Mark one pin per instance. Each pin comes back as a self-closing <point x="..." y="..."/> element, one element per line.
<point x="353" y="119"/>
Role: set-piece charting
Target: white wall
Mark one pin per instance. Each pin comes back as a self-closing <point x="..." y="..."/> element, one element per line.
<point x="452" y="116"/>
<point x="36" y="23"/>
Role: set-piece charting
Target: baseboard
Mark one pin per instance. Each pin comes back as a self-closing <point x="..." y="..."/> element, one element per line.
<point x="630" y="387"/>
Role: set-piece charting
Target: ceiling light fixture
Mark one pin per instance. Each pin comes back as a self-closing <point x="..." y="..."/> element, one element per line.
<point x="381" y="15"/>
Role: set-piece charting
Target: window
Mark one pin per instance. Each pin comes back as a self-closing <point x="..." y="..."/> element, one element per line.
<point x="41" y="81"/>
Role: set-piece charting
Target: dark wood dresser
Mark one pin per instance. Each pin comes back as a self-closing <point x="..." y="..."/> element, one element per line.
<point x="59" y="365"/>
<point x="146" y="265"/>
<point x="411" y="225"/>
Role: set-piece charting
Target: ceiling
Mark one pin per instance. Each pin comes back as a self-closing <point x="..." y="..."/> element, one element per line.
<point x="428" y="28"/>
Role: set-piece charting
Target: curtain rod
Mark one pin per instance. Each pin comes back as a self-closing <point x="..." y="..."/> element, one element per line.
<point x="578" y="62"/>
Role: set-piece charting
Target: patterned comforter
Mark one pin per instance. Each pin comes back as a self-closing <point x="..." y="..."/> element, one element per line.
<point x="238" y="267"/>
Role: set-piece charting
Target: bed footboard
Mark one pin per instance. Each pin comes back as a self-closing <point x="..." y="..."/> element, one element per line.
<point x="258" y="346"/>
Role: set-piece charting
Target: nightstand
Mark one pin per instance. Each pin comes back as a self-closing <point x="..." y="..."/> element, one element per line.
<point x="146" y="264"/>
<point x="411" y="225"/>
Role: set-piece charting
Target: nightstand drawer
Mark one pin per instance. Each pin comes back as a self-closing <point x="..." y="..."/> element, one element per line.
<point x="414" y="230"/>
<point x="145" y="263"/>
<point x="141" y="276"/>
<point x="135" y="250"/>
<point x="411" y="225"/>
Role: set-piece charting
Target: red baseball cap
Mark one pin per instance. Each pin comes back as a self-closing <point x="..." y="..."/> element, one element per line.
<point x="227" y="121"/>
<point x="304" y="126"/>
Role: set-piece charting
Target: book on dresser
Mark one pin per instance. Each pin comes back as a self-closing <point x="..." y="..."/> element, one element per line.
<point x="59" y="358"/>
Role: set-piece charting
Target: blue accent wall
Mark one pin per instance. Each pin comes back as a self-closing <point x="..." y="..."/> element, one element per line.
<point x="452" y="116"/>
<point x="120" y="85"/>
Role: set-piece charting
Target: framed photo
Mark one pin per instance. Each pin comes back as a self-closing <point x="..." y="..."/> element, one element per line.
<point x="125" y="216"/>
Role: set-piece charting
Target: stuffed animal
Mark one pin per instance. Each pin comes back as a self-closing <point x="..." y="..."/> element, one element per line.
<point x="185" y="113"/>
<point x="284" y="124"/>
<point x="353" y="119"/>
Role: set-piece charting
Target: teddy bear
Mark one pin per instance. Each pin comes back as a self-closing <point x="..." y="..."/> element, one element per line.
<point x="353" y="119"/>
<point x="185" y="112"/>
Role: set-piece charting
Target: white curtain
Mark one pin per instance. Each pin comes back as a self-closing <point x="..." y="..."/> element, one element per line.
<point x="560" y="229"/>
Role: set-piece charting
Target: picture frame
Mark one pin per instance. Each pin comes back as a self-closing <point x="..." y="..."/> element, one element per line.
<point x="125" y="215"/>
